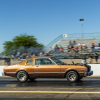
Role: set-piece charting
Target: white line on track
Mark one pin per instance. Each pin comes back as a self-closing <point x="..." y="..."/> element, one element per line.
<point x="76" y="92"/>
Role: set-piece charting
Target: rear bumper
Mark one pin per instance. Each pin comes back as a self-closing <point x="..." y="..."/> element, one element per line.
<point x="3" y="74"/>
<point x="89" y="73"/>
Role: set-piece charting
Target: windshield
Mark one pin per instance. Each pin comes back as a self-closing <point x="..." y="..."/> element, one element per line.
<point x="57" y="61"/>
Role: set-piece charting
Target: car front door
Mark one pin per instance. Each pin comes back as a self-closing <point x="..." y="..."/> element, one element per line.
<point x="29" y="67"/>
<point x="46" y="68"/>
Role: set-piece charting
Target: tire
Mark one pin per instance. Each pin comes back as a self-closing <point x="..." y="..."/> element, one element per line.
<point x="32" y="79"/>
<point x="22" y="76"/>
<point x="72" y="76"/>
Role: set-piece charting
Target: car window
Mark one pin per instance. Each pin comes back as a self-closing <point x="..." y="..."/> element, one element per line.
<point x="29" y="62"/>
<point x="56" y="60"/>
<point x="22" y="63"/>
<point x="44" y="61"/>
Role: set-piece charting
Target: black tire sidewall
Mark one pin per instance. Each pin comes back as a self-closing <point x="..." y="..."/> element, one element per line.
<point x="26" y="76"/>
<point x="73" y="72"/>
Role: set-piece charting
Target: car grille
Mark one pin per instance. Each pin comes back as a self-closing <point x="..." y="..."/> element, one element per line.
<point x="88" y="69"/>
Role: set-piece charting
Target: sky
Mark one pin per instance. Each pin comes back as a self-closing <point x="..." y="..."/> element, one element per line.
<point x="47" y="19"/>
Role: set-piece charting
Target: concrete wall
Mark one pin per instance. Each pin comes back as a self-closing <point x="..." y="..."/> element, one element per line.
<point x="94" y="67"/>
<point x="1" y="70"/>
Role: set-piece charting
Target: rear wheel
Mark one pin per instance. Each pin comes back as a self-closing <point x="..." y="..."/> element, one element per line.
<point x="22" y="76"/>
<point x="72" y="76"/>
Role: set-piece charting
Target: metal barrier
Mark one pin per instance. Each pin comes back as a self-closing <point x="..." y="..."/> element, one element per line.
<point x="52" y="43"/>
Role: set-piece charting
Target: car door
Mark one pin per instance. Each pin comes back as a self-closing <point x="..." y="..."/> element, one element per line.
<point x="29" y="67"/>
<point x="46" y="68"/>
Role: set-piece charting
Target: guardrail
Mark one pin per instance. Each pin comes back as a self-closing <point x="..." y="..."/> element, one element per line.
<point x="46" y="48"/>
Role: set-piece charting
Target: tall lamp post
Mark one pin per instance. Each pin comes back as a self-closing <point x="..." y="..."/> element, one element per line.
<point x="82" y="27"/>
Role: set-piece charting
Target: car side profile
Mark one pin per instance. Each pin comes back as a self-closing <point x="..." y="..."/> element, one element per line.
<point x="47" y="67"/>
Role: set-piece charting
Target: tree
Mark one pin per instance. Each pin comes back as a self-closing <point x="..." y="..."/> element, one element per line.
<point x="23" y="40"/>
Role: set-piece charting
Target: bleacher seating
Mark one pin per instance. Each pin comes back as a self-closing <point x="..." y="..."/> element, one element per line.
<point x="65" y="42"/>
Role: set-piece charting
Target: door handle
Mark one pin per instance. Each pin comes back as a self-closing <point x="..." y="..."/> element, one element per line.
<point x="37" y="66"/>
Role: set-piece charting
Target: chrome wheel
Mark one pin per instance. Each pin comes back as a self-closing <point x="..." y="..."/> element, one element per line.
<point x="22" y="76"/>
<point x="72" y="76"/>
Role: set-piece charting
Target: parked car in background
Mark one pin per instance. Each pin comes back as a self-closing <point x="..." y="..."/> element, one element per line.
<point x="47" y="67"/>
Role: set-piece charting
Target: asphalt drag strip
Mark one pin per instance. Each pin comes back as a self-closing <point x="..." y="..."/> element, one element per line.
<point x="50" y="89"/>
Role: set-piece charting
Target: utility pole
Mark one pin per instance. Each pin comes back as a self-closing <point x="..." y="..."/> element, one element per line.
<point x="82" y="27"/>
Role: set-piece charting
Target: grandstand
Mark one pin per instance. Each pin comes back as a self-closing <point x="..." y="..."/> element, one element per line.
<point x="64" y="43"/>
<point x="64" y="39"/>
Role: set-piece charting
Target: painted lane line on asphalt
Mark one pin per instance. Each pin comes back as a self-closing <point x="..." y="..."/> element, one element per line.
<point x="77" y="92"/>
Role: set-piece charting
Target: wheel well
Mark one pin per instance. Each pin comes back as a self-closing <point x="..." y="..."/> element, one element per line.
<point x="23" y="71"/>
<point x="69" y="71"/>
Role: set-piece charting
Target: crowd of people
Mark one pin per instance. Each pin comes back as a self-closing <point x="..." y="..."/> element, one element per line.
<point x="74" y="47"/>
<point x="56" y="50"/>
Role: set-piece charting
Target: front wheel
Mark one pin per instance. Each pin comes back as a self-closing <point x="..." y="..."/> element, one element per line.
<point x="72" y="76"/>
<point x="22" y="76"/>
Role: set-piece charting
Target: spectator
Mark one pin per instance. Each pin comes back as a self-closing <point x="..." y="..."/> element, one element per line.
<point x="58" y="48"/>
<point x="90" y="58"/>
<point x="93" y="44"/>
<point x="83" y="45"/>
<point x="92" y="48"/>
<point x="69" y="48"/>
<point x="55" y="49"/>
<point x="84" y="48"/>
<point x="96" y="48"/>
<point x="98" y="44"/>
<point x="61" y="49"/>
<point x="72" y="49"/>
<point x="74" y="42"/>
<point x="96" y="57"/>
<point x="5" y="62"/>
<point x="76" y="50"/>
<point x="70" y="43"/>
<point x="80" y="46"/>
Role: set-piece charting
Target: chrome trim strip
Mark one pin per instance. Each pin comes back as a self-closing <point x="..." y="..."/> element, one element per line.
<point x="46" y="72"/>
<point x="41" y="72"/>
<point x="80" y="72"/>
<point x="11" y="72"/>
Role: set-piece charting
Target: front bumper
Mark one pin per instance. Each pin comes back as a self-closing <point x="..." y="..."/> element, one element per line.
<point x="89" y="73"/>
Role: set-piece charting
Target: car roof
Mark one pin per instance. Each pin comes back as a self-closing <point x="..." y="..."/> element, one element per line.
<point x="42" y="57"/>
<point x="39" y="57"/>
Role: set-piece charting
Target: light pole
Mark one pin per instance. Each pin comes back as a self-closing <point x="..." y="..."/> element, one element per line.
<point x="82" y="27"/>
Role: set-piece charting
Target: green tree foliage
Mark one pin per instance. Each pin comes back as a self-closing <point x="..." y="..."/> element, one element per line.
<point x="24" y="40"/>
